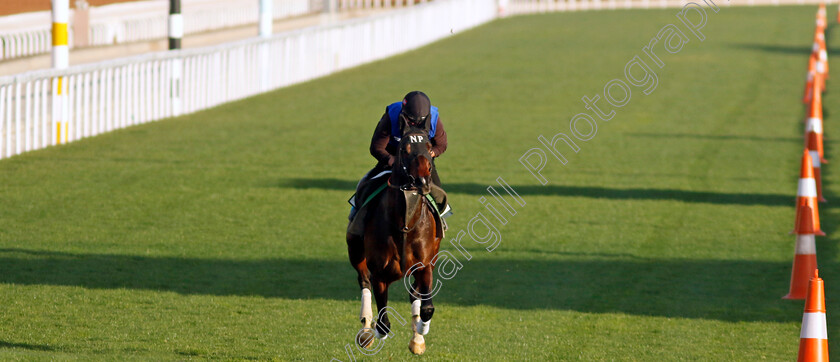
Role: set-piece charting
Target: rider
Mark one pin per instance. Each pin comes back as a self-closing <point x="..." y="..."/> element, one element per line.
<point x="415" y="109"/>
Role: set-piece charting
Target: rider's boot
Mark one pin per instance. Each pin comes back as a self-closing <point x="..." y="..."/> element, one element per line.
<point x="353" y="209"/>
<point x="352" y="201"/>
<point x="447" y="212"/>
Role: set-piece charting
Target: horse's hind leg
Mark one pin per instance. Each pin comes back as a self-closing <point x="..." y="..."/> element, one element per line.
<point x="356" y="251"/>
<point x="421" y="309"/>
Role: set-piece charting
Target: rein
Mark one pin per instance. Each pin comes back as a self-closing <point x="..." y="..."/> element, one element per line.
<point x="404" y="174"/>
<point x="413" y="199"/>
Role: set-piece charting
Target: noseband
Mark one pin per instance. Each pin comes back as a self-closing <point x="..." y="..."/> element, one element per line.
<point x="410" y="180"/>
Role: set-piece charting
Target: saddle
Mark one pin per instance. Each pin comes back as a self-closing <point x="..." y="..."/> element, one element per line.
<point x="369" y="192"/>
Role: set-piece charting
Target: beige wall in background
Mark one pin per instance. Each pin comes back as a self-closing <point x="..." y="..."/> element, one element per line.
<point x="8" y="7"/>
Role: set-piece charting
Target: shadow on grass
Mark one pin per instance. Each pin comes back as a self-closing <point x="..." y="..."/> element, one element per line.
<point x="804" y="49"/>
<point x="706" y="197"/>
<point x="728" y="290"/>
<point x="33" y="347"/>
<point x="715" y="137"/>
<point x="829" y="215"/>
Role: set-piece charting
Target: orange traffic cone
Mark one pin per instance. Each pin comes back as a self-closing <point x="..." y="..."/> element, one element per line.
<point x="813" y="337"/>
<point x="807" y="214"/>
<point x="822" y="18"/>
<point x="804" y="264"/>
<point x="809" y="80"/>
<point x="822" y="66"/>
<point x="819" y="39"/>
<point x="813" y="149"/>
<point x="820" y="56"/>
<point x="814" y="122"/>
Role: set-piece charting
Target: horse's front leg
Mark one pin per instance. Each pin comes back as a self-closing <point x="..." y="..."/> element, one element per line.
<point x="421" y="309"/>
<point x="356" y="252"/>
<point x="380" y="292"/>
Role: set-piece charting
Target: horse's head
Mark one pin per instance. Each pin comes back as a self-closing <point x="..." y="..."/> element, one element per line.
<point x="414" y="161"/>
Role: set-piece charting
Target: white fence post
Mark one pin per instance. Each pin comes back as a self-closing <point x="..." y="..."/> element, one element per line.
<point x="60" y="60"/>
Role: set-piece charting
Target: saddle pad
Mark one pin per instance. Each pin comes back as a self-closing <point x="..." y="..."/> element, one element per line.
<point x="374" y="193"/>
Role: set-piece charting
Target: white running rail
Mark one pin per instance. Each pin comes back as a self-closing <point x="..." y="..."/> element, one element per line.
<point x="31" y="33"/>
<point x="114" y="94"/>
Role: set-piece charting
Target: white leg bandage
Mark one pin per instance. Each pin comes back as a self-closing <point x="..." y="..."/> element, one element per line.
<point x="422" y="327"/>
<point x="367" y="312"/>
<point x="415" y="308"/>
<point x="419" y="326"/>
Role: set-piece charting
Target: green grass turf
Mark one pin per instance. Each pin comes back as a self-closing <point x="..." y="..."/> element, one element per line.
<point x="220" y="234"/>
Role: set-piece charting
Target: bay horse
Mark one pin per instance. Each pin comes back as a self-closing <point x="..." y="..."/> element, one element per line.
<point x="400" y="240"/>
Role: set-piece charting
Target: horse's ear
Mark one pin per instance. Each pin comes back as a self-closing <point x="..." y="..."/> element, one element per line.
<point x="404" y="125"/>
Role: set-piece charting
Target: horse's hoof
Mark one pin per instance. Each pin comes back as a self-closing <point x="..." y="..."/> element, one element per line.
<point x="417" y="345"/>
<point x="365" y="337"/>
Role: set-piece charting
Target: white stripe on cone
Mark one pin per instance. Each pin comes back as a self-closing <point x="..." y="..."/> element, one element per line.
<point x="807" y="188"/>
<point x="815" y="158"/>
<point x="814" y="124"/>
<point x="805" y="244"/>
<point x="813" y="326"/>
